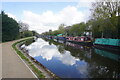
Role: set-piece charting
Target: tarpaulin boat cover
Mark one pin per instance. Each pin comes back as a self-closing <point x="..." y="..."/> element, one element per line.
<point x="103" y="41"/>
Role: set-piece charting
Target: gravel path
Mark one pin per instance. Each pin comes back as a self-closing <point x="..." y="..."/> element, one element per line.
<point x="12" y="65"/>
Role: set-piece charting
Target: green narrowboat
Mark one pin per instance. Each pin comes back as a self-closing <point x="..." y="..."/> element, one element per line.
<point x="108" y="44"/>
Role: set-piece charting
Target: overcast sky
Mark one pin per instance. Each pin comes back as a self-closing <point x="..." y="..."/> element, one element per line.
<point x="42" y="16"/>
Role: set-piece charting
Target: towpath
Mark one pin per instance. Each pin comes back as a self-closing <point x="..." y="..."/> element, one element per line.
<point x="12" y="65"/>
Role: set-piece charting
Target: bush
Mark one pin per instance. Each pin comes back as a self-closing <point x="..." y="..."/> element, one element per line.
<point x="26" y="34"/>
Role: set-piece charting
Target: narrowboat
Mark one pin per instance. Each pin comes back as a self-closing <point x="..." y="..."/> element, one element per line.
<point x="107" y="44"/>
<point x="83" y="40"/>
<point x="60" y="38"/>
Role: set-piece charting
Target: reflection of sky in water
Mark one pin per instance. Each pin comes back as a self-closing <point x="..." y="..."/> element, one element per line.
<point x="64" y="65"/>
<point x="42" y="48"/>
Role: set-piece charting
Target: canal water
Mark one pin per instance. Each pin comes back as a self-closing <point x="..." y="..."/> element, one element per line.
<point x="68" y="60"/>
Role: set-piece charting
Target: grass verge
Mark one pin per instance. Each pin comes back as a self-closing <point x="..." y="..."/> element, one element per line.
<point x="35" y="70"/>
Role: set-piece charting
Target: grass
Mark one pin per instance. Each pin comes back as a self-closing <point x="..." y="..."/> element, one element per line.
<point x="36" y="70"/>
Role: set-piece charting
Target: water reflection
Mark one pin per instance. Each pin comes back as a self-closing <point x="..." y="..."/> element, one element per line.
<point x="48" y="52"/>
<point x="74" y="61"/>
<point x="108" y="54"/>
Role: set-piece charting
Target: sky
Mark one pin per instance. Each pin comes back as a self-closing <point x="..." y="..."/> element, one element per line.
<point x="42" y="16"/>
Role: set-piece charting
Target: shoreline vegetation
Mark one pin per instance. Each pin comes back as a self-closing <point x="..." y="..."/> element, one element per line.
<point x="13" y="30"/>
<point x="31" y="65"/>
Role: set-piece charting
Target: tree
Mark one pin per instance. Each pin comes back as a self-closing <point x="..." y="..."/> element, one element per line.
<point x="105" y="18"/>
<point x="24" y="30"/>
<point x="50" y="32"/>
<point x="67" y="30"/>
<point x="10" y="28"/>
<point x="61" y="28"/>
<point x="23" y="26"/>
<point x="77" y="29"/>
<point x="35" y="33"/>
<point x="56" y="32"/>
<point x="105" y="9"/>
<point x="28" y="33"/>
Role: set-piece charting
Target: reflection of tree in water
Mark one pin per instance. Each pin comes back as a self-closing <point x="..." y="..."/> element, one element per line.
<point x="77" y="52"/>
<point x="28" y="42"/>
<point x="104" y="67"/>
<point x="47" y="40"/>
<point x="98" y="70"/>
<point x="61" y="49"/>
<point x="50" y="42"/>
<point x="97" y="66"/>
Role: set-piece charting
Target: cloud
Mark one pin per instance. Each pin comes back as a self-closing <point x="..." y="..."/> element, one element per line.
<point x="39" y="0"/>
<point x="82" y="68"/>
<point x="50" y="20"/>
<point x="47" y="0"/>
<point x="84" y="3"/>
<point x="12" y="16"/>
<point x="48" y="52"/>
<point x="68" y="59"/>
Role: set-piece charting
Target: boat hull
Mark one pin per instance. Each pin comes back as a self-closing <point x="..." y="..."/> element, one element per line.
<point x="108" y="47"/>
<point x="81" y="43"/>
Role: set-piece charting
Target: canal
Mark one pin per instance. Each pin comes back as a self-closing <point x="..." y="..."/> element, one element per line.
<point x="68" y="60"/>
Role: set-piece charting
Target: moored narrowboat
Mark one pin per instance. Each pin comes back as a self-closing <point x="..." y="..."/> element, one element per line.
<point x="83" y="40"/>
<point x="107" y="44"/>
<point x="60" y="38"/>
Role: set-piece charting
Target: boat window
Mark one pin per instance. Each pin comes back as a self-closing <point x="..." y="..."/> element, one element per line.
<point x="75" y="38"/>
<point x="82" y="39"/>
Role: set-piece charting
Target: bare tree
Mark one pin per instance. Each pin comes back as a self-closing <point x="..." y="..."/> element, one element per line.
<point x="23" y="26"/>
<point x="105" y="8"/>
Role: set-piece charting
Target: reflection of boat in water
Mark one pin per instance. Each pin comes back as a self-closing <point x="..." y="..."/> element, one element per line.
<point x="77" y="46"/>
<point x="108" y="54"/>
